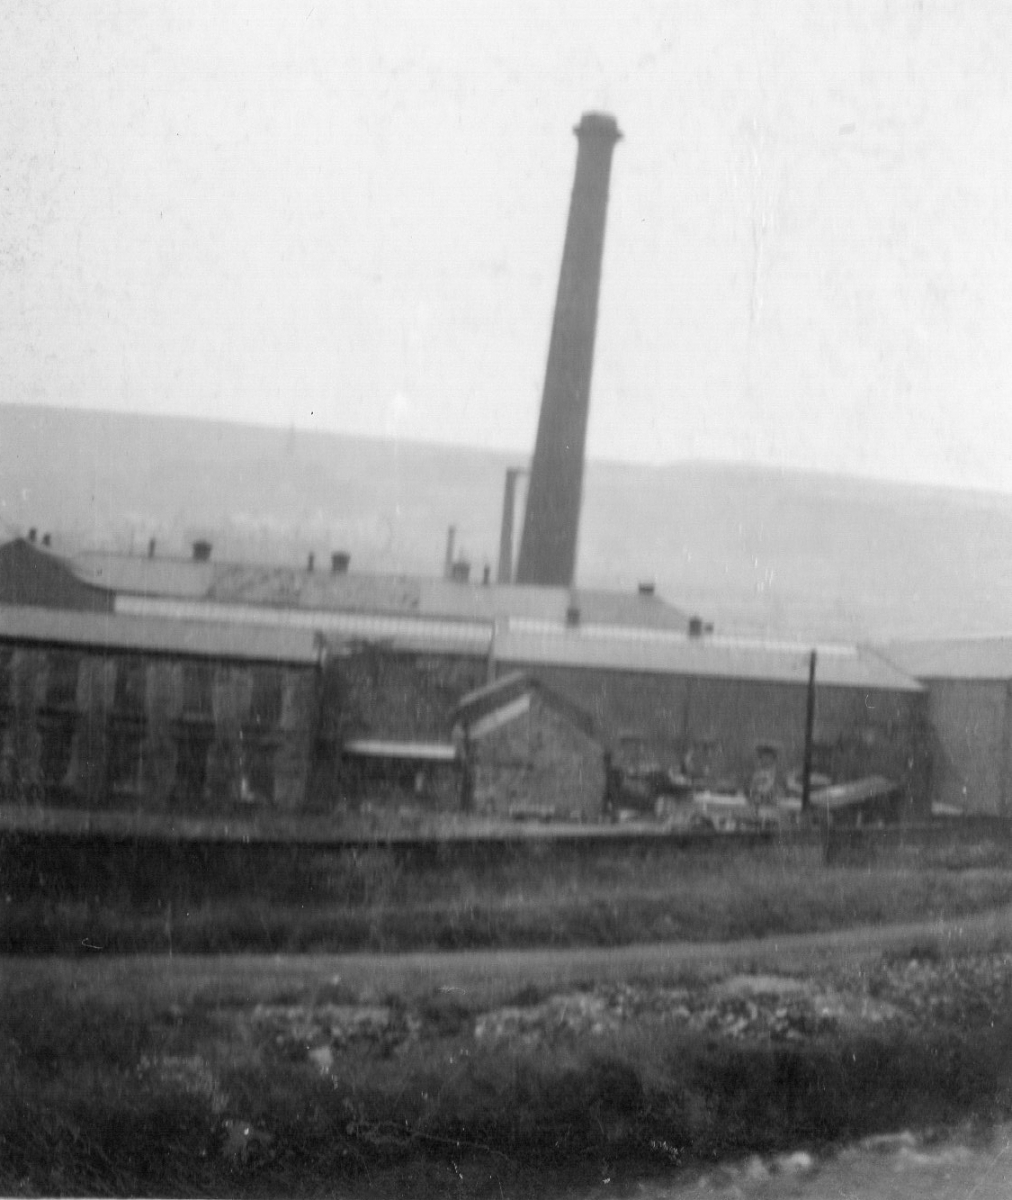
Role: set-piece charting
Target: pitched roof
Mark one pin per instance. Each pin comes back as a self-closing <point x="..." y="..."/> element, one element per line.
<point x="492" y="697"/>
<point x="709" y="656"/>
<point x="32" y="575"/>
<point x="954" y="658"/>
<point x="632" y="650"/>
<point x="151" y="635"/>
<point x="325" y="591"/>
<point x="144" y="576"/>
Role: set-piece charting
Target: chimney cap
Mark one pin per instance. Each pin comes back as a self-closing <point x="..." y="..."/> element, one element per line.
<point x="598" y="124"/>
<point x="201" y="550"/>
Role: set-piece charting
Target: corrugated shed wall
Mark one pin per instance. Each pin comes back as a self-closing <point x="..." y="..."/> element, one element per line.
<point x="972" y="727"/>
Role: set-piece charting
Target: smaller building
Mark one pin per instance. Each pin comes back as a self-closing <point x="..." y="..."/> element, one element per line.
<point x="969" y="691"/>
<point x="530" y="752"/>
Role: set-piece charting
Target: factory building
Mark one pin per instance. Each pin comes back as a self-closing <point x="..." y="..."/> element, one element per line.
<point x="281" y="691"/>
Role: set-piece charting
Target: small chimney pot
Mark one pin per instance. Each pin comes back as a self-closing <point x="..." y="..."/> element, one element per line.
<point x="339" y="562"/>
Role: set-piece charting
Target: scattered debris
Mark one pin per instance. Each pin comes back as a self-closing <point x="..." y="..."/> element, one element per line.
<point x="186" y="1073"/>
<point x="243" y="1141"/>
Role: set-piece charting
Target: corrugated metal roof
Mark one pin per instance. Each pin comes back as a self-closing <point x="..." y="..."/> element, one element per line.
<point x="645" y="650"/>
<point x="399" y="632"/>
<point x="706" y="656"/>
<point x="414" y="751"/>
<point x="954" y="658"/>
<point x="860" y="791"/>
<point x="547" y="605"/>
<point x="145" y="576"/>
<point x="321" y="590"/>
<point x="151" y="635"/>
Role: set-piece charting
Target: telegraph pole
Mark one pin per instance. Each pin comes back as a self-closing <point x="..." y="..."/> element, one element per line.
<point x="806" y="770"/>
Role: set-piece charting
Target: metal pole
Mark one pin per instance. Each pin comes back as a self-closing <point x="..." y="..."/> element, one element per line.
<point x="806" y="770"/>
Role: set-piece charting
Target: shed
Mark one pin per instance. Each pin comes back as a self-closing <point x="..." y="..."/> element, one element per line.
<point x="969" y="701"/>
<point x="531" y="751"/>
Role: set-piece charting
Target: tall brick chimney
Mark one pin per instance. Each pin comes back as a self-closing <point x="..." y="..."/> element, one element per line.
<point x="551" y="524"/>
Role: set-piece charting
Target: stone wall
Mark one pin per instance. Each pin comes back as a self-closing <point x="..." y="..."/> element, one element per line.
<point x="156" y="732"/>
<point x="542" y="760"/>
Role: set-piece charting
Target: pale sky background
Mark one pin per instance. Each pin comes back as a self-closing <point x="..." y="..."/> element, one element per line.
<point x="350" y="217"/>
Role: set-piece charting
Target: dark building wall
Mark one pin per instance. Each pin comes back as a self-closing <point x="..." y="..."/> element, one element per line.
<point x="390" y="696"/>
<point x="195" y="734"/>
<point x="971" y="722"/>
<point x="397" y="696"/>
<point x="860" y="732"/>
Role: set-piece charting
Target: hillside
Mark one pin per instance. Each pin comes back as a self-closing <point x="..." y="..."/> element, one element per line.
<point x="750" y="548"/>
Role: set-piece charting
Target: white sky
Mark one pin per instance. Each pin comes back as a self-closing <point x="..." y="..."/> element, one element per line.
<point x="350" y="216"/>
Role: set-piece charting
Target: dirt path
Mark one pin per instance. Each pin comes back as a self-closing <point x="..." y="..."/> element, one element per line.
<point x="490" y="973"/>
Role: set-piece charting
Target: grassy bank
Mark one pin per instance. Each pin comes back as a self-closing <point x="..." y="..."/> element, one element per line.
<point x="57" y="897"/>
<point x="317" y="1084"/>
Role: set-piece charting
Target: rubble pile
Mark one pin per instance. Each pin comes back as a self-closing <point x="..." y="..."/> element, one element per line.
<point x="911" y="993"/>
<point x="775" y="1007"/>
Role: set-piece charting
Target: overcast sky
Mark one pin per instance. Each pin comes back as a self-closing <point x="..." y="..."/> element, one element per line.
<point x="350" y="217"/>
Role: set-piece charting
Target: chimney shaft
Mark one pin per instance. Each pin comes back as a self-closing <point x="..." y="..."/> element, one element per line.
<point x="451" y="537"/>
<point x="548" y="544"/>
<point x="509" y="504"/>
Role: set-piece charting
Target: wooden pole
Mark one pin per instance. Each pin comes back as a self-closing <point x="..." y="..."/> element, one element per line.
<point x="806" y="771"/>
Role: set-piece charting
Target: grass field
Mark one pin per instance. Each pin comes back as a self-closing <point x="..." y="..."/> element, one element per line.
<point x="231" y="1077"/>
<point x="244" y="1073"/>
<point x="186" y="900"/>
